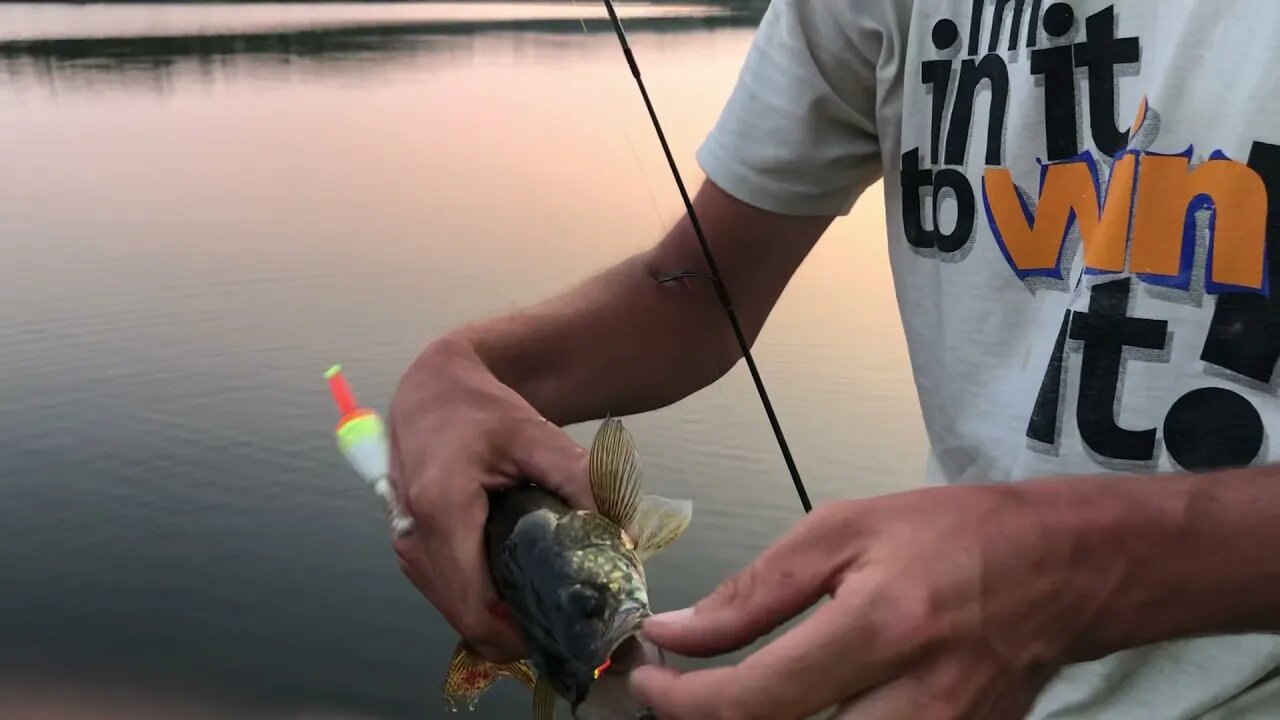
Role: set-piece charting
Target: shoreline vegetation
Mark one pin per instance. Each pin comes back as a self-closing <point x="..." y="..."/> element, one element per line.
<point x="151" y="54"/>
<point x="385" y="38"/>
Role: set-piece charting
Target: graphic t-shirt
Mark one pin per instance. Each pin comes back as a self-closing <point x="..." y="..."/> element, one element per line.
<point x="1083" y="206"/>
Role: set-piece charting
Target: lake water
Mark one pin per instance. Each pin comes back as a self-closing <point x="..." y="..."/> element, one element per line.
<point x="203" y="207"/>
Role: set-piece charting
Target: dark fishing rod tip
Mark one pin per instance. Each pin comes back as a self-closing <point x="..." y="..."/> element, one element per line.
<point x="725" y="301"/>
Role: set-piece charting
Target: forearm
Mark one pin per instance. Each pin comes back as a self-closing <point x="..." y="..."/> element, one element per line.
<point x="618" y="343"/>
<point x="621" y="342"/>
<point x="1173" y="556"/>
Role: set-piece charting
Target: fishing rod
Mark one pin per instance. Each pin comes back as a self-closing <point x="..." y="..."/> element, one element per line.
<point x="722" y="292"/>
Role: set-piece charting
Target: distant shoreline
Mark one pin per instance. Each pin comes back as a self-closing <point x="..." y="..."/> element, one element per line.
<point x="307" y="30"/>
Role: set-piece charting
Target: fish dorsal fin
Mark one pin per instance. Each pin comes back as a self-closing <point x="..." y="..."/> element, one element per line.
<point x="544" y="700"/>
<point x="615" y="472"/>
<point x="657" y="523"/>
<point x="471" y="676"/>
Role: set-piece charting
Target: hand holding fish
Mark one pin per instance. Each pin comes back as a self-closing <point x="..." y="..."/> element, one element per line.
<point x="955" y="602"/>
<point x="456" y="434"/>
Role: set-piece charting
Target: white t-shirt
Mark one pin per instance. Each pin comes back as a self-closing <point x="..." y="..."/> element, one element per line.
<point x="1079" y="203"/>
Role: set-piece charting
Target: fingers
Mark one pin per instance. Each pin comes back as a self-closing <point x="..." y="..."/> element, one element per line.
<point x="903" y="698"/>
<point x="544" y="453"/>
<point x="475" y="436"/>
<point x="809" y="668"/>
<point x="444" y="555"/>
<point x="445" y="560"/>
<point x="787" y="578"/>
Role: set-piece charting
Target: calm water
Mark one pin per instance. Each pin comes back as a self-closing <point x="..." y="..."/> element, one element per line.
<point x="202" y="208"/>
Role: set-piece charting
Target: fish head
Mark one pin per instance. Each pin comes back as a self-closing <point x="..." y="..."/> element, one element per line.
<point x="575" y="579"/>
<point x="590" y="639"/>
<point x="610" y="696"/>
<point x="586" y="596"/>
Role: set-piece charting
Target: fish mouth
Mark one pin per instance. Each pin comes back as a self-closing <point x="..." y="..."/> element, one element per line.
<point x="621" y="643"/>
<point x="609" y="696"/>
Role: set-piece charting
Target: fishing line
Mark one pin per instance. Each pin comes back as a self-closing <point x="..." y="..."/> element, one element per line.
<point x="644" y="177"/>
<point x="722" y="292"/>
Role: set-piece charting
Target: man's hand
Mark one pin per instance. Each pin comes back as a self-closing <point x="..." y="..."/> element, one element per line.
<point x="956" y="602"/>
<point x="456" y="433"/>
<point x="480" y="407"/>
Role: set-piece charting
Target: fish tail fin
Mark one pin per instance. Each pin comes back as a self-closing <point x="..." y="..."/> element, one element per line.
<point x="470" y="676"/>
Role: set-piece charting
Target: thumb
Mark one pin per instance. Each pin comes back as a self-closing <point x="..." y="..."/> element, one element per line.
<point x="782" y="582"/>
<point x="546" y="454"/>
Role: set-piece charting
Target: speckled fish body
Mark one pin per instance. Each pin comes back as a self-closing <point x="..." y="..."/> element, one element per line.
<point x="573" y="580"/>
<point x="575" y="583"/>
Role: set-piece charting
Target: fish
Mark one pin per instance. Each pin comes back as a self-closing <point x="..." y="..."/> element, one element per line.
<point x="575" y="582"/>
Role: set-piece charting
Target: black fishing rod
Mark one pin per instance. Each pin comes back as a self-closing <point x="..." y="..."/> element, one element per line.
<point x="722" y="292"/>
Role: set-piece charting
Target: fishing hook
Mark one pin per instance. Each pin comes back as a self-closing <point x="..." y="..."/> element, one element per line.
<point x="721" y="291"/>
<point x="681" y="276"/>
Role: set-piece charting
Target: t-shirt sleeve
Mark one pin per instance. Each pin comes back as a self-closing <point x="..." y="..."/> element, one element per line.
<point x="798" y="133"/>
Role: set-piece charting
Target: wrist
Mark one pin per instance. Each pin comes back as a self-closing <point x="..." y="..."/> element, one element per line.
<point x="450" y="351"/>
<point x="1162" y="557"/>
<point x="480" y="353"/>
<point x="1116" y="541"/>
<point x="442" y="369"/>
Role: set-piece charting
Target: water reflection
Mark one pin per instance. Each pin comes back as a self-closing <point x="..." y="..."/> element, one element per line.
<point x="153" y="59"/>
<point x="178" y="273"/>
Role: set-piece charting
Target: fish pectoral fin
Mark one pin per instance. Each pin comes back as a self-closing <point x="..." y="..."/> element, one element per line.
<point x="657" y="523"/>
<point x="544" y="700"/>
<point x="470" y="676"/>
<point x="615" y="472"/>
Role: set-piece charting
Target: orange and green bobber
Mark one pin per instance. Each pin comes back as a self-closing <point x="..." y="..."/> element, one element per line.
<point x="362" y="439"/>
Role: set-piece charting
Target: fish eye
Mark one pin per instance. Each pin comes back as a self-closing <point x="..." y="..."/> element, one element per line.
<point x="585" y="600"/>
